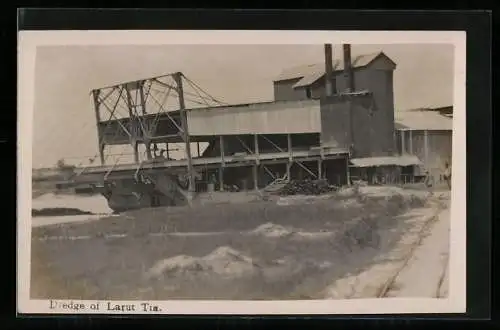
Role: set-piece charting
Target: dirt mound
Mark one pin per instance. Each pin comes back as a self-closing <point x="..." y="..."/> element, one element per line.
<point x="175" y="266"/>
<point x="272" y="230"/>
<point x="224" y="261"/>
<point x="230" y="262"/>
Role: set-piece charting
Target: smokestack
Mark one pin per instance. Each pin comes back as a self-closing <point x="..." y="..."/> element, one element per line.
<point x="328" y="69"/>
<point x="348" y="68"/>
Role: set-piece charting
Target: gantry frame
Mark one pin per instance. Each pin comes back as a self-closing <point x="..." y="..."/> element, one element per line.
<point x="143" y="109"/>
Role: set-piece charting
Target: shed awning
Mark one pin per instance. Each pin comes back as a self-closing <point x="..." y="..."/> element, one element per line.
<point x="406" y="160"/>
<point x="423" y="120"/>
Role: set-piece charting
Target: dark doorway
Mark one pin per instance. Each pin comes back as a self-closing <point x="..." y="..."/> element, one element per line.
<point x="308" y="92"/>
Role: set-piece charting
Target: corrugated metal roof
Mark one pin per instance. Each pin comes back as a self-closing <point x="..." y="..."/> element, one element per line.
<point x="312" y="70"/>
<point x="309" y="79"/>
<point x="422" y="120"/>
<point x="405" y="160"/>
<point x="363" y="59"/>
<point x="301" y="71"/>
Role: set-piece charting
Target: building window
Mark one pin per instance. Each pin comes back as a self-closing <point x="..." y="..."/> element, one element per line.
<point x="334" y="86"/>
<point x="308" y="92"/>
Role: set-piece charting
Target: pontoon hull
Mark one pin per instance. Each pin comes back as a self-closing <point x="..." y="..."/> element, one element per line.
<point x="128" y="194"/>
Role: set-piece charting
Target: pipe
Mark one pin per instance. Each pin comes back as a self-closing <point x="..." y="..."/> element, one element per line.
<point x="348" y="74"/>
<point x="328" y="70"/>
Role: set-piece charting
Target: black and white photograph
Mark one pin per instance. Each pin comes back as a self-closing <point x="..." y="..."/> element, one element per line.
<point x="318" y="174"/>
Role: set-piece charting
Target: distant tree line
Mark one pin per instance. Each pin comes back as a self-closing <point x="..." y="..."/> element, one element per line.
<point x="61" y="165"/>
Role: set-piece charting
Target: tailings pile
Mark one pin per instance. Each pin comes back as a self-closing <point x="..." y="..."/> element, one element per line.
<point x="306" y="187"/>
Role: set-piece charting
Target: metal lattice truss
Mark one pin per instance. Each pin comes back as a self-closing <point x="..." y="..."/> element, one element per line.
<point x="140" y="112"/>
<point x="276" y="148"/>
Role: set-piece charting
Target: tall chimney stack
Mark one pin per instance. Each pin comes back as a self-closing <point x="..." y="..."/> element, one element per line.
<point x="328" y="69"/>
<point x="348" y="74"/>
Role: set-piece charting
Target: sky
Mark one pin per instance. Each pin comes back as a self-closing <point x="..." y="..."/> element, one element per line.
<point x="64" y="119"/>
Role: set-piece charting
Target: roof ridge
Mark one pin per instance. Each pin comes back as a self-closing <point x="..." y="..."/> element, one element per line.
<point x="337" y="62"/>
<point x="337" y="59"/>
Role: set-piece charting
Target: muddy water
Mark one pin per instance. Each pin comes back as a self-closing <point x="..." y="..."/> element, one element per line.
<point x="95" y="204"/>
<point x="91" y="203"/>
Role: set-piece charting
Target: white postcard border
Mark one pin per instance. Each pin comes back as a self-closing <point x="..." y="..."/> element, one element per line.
<point x="456" y="301"/>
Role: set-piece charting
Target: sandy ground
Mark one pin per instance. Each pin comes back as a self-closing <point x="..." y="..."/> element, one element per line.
<point x="423" y="275"/>
<point x="415" y="267"/>
<point x="285" y="249"/>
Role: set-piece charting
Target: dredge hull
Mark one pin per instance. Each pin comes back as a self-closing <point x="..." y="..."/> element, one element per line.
<point x="152" y="190"/>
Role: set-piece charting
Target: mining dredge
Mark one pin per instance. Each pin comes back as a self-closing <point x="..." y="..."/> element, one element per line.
<point x="156" y="118"/>
<point x="246" y="146"/>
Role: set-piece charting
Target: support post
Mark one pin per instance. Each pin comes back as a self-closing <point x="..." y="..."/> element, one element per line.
<point x="255" y="175"/>
<point x="198" y="148"/>
<point x="133" y="123"/>
<point x="426" y="148"/>
<point x="290" y="156"/>
<point x="129" y="102"/>
<point x="185" y="132"/>
<point x="320" y="167"/>
<point x="142" y="97"/>
<point x="95" y="94"/>
<point x="148" y="150"/>
<point x="256" y="147"/>
<point x="402" y="133"/>
<point x="144" y="124"/>
<point x="167" y="151"/>
<point x="136" y="151"/>
<point x="101" y="153"/>
<point x="289" y="147"/>
<point x="221" y="178"/>
<point x="221" y="145"/>
<point x="348" y="174"/>
<point x="410" y="140"/>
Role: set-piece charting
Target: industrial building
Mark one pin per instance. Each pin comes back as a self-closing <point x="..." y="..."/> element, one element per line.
<point x="333" y="120"/>
<point x="427" y="134"/>
<point x="371" y="74"/>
